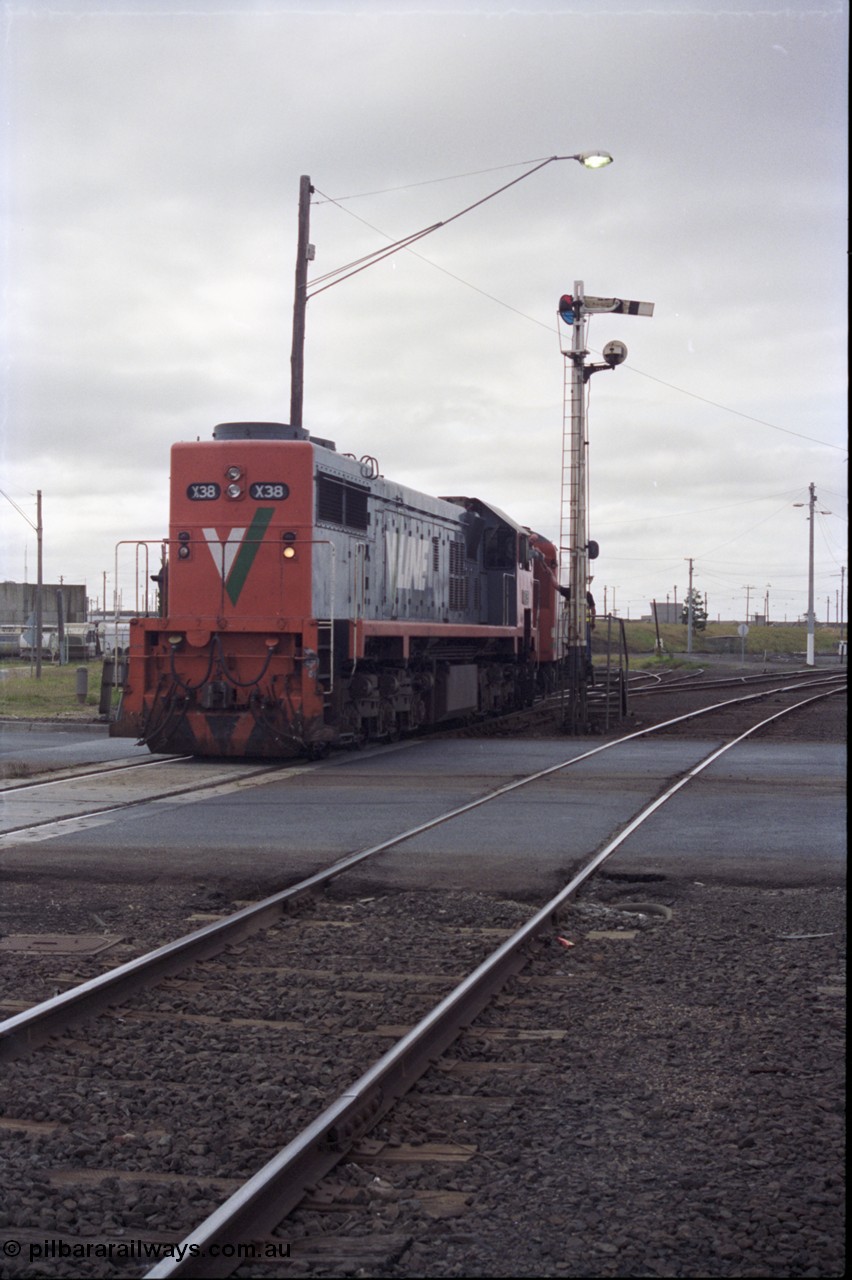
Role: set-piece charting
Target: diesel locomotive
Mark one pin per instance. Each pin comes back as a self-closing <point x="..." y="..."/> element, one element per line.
<point x="308" y="602"/>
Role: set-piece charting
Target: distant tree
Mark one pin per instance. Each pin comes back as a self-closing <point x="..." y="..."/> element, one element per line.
<point x="699" y="613"/>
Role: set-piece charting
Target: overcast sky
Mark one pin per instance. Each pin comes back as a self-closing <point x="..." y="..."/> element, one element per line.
<point x="152" y="152"/>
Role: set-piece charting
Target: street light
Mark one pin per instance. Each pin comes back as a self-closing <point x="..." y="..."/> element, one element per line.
<point x="305" y="254"/>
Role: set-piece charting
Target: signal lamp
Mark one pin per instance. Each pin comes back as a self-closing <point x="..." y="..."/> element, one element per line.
<point x="566" y="308"/>
<point x="184" y="551"/>
<point x="234" y="473"/>
<point x="234" y="491"/>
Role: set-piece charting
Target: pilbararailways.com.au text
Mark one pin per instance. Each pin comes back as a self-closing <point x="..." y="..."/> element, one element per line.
<point x="141" y="1250"/>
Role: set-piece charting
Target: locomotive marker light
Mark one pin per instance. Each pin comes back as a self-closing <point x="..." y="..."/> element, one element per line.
<point x="306" y="252"/>
<point x="574" y="310"/>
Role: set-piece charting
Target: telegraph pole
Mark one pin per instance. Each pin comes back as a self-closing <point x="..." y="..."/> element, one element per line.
<point x="304" y="255"/>
<point x="842" y="614"/>
<point x="748" y="588"/>
<point x="39" y="581"/>
<point x="689" y="609"/>
<point x="811" y="504"/>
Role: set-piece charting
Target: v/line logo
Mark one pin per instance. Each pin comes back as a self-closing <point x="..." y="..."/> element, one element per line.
<point x="235" y="556"/>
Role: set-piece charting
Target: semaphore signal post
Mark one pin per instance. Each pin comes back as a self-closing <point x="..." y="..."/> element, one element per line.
<point x="575" y="548"/>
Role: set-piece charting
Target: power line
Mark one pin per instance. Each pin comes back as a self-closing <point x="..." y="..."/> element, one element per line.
<point x="727" y="409"/>
<point x="409" y="186"/>
<point x="532" y="319"/>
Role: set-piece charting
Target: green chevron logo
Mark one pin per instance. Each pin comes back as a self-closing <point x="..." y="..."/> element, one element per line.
<point x="235" y="556"/>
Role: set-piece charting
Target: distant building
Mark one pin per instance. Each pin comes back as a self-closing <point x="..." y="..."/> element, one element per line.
<point x="666" y="613"/>
<point x="18" y="602"/>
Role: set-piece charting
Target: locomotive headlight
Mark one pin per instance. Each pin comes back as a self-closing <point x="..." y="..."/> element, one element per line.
<point x="289" y="548"/>
<point x="234" y="491"/>
<point x="183" y="551"/>
<point x="289" y="552"/>
<point x="234" y="473"/>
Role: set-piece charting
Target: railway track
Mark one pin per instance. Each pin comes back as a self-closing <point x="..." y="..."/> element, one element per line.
<point x="101" y="991"/>
<point x="252" y="1211"/>
<point x="699" y="680"/>
<point x="41" y="807"/>
<point x="14" y="782"/>
<point x="645" y="692"/>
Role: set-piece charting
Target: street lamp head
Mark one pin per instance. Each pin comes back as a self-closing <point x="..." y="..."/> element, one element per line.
<point x="593" y="159"/>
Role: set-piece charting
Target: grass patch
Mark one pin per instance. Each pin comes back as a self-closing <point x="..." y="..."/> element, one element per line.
<point x="779" y="641"/>
<point x="24" y="697"/>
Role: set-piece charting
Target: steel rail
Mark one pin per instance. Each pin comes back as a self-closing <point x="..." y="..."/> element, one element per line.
<point x="26" y="1030"/>
<point x="71" y="775"/>
<point x="275" y="1190"/>
<point x="714" y="682"/>
<point x="132" y="804"/>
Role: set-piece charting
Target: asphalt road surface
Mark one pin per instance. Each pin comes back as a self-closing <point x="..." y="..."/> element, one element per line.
<point x="766" y="812"/>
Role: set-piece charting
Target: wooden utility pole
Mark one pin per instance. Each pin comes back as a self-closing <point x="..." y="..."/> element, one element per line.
<point x="810" y="655"/>
<point x="304" y="254"/>
<point x="39" y="581"/>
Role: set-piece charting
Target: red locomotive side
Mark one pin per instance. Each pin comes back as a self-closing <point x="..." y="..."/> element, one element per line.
<point x="546" y="578"/>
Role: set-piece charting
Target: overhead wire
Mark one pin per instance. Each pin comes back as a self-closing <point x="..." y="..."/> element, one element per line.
<point x="428" y="182"/>
<point x="405" y="243"/>
<point x="361" y="264"/>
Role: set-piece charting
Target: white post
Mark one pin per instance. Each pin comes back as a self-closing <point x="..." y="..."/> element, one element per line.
<point x="809" y="660"/>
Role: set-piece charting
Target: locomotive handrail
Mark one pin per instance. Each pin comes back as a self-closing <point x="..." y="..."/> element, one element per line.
<point x="137" y="543"/>
<point x="330" y="620"/>
<point x="509" y="580"/>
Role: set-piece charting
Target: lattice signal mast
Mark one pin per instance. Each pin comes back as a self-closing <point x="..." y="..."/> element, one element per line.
<point x="575" y="548"/>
